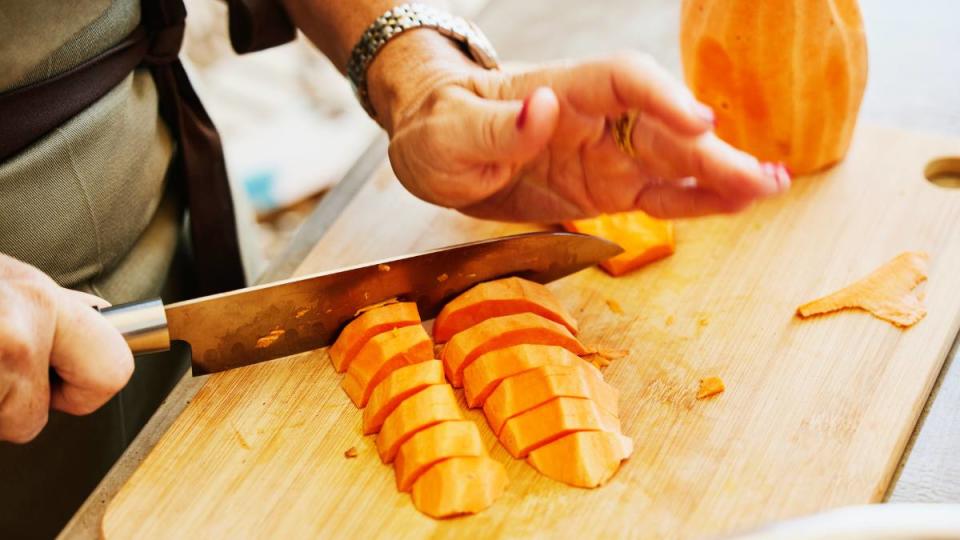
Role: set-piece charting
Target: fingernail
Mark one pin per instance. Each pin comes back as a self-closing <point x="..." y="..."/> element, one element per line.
<point x="769" y="171"/>
<point x="705" y="113"/>
<point x="783" y="176"/>
<point x="522" y="117"/>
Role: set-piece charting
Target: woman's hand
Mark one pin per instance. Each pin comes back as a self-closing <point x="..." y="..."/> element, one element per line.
<point x="45" y="328"/>
<point x="535" y="144"/>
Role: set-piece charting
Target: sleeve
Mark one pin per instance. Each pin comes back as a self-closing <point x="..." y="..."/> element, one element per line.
<point x="258" y="24"/>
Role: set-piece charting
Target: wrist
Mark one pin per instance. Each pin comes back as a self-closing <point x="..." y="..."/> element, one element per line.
<point x="409" y="68"/>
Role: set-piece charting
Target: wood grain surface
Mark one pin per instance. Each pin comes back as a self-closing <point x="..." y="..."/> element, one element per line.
<point x="816" y="413"/>
<point x="914" y="81"/>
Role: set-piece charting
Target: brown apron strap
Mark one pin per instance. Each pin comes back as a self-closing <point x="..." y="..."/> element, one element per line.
<point x="29" y="113"/>
<point x="199" y="161"/>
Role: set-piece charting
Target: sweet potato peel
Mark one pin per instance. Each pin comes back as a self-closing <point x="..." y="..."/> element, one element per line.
<point x="887" y="293"/>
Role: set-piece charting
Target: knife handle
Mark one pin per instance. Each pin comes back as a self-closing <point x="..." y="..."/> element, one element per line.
<point x="143" y="324"/>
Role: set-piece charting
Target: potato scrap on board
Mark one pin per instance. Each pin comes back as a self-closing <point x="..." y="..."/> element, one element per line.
<point x="710" y="386"/>
<point x="888" y="293"/>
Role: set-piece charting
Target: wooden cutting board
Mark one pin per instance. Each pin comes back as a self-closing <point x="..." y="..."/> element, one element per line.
<point x="816" y="413"/>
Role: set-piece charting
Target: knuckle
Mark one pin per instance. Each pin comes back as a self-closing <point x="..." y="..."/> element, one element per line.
<point x="22" y="426"/>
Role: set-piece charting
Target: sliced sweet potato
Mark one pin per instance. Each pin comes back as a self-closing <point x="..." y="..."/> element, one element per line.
<point x="432" y="405"/>
<point x="370" y="323"/>
<point x="552" y="420"/>
<point x="520" y="393"/>
<point x="501" y="332"/>
<point x="644" y="239"/>
<point x="482" y="376"/>
<point x="457" y="438"/>
<point x="459" y="485"/>
<point x="584" y="459"/>
<point x="495" y="299"/>
<point x="383" y="354"/>
<point x="396" y="387"/>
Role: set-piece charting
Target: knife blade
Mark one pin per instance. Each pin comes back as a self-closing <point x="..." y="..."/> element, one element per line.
<point x="265" y="322"/>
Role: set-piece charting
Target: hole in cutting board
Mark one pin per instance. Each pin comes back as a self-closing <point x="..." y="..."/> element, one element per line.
<point x="944" y="172"/>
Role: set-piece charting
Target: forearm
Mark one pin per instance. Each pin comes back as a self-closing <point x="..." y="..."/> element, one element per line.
<point x="404" y="67"/>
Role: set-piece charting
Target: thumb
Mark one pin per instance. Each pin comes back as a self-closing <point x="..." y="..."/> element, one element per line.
<point x="506" y="133"/>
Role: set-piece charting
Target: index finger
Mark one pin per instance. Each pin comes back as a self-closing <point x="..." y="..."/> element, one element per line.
<point x="90" y="356"/>
<point x="627" y="81"/>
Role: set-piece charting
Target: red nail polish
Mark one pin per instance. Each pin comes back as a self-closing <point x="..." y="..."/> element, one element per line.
<point x="705" y="113"/>
<point x="522" y="117"/>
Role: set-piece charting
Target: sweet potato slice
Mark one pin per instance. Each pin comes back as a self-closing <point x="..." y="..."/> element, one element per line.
<point x="482" y="376"/>
<point x="383" y="354"/>
<point x="432" y="405"/>
<point x="459" y="485"/>
<point x="644" y="239"/>
<point x="552" y="420"/>
<point x="370" y="323"/>
<point x="495" y="299"/>
<point x="584" y="459"/>
<point x="501" y="332"/>
<point x="887" y="294"/>
<point x="520" y="393"/>
<point x="396" y="387"/>
<point x="457" y="438"/>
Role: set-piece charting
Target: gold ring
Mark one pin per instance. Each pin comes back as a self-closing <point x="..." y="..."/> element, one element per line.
<point x="623" y="132"/>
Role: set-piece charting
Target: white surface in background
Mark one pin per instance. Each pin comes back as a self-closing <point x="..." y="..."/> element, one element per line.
<point x="873" y="522"/>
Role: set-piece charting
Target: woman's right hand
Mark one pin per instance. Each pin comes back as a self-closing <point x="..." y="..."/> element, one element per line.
<point x="46" y="328"/>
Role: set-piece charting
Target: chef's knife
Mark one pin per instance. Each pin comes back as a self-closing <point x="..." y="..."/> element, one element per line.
<point x="279" y="319"/>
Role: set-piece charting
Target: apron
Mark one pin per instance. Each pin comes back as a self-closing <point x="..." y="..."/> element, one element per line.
<point x="42" y="483"/>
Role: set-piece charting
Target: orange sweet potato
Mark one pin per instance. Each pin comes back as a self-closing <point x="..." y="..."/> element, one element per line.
<point x="396" y="387"/>
<point x="360" y="330"/>
<point x="382" y="355"/>
<point x="457" y="438"/>
<point x="495" y="299"/>
<point x="520" y="393"/>
<point x="459" y="485"/>
<point x="500" y="332"/>
<point x="584" y="459"/>
<point x="482" y="376"/>
<point x="432" y="405"/>
<point x="552" y="420"/>
<point x="644" y="239"/>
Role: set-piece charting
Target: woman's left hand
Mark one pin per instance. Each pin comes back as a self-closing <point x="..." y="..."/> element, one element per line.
<point x="535" y="143"/>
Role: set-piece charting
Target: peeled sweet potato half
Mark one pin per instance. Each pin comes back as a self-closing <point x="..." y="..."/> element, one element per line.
<point x="520" y="393"/>
<point x="584" y="459"/>
<point x="482" y="376"/>
<point x="456" y="438"/>
<point x="383" y="354"/>
<point x="396" y="387"/>
<point x="459" y="485"/>
<point x="370" y="323"/>
<point x="506" y="296"/>
<point x="552" y="420"/>
<point x="432" y="405"/>
<point x="501" y="332"/>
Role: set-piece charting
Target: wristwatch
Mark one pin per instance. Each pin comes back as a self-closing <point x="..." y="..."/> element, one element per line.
<point x="407" y="17"/>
